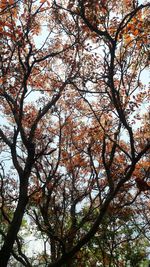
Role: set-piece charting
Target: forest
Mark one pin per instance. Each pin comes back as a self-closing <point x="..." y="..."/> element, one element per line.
<point x="74" y="133"/>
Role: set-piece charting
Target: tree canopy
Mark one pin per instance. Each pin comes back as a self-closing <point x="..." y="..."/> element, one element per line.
<point x="74" y="131"/>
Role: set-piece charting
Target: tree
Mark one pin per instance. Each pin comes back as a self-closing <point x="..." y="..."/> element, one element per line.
<point x="69" y="102"/>
<point x="118" y="242"/>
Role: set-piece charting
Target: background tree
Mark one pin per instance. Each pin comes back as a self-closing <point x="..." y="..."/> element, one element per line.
<point x="74" y="132"/>
<point x="118" y="242"/>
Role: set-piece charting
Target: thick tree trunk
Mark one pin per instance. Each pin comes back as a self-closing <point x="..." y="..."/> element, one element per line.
<point x="15" y="224"/>
<point x="13" y="230"/>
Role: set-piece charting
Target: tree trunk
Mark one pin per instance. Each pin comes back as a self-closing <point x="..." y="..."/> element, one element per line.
<point x="13" y="230"/>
